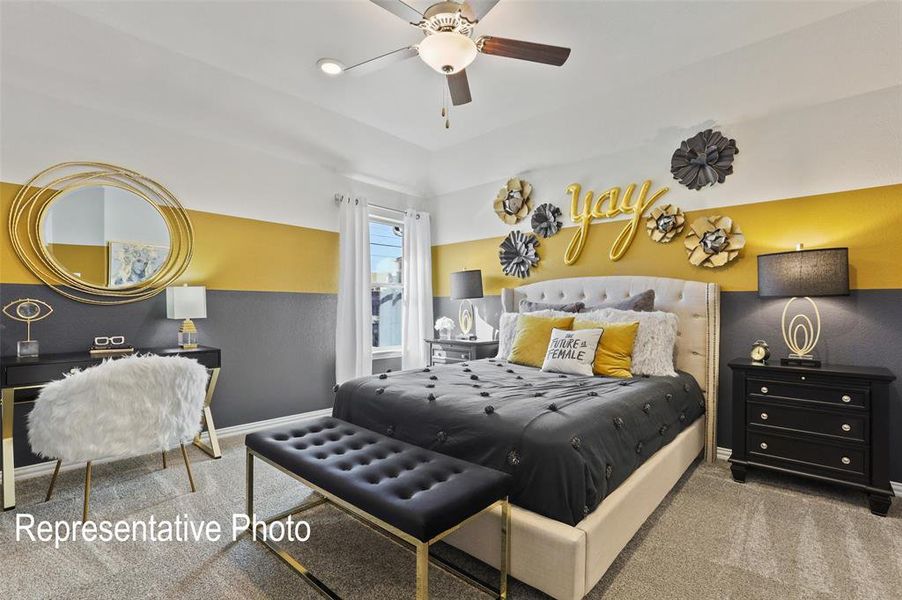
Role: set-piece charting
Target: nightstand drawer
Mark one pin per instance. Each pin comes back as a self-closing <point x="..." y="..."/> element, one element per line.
<point x="850" y="426"/>
<point x="452" y="353"/>
<point x="837" y="394"/>
<point x="848" y="461"/>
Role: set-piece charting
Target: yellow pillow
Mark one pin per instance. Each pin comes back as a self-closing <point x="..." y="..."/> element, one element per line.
<point x="533" y="335"/>
<point x="614" y="356"/>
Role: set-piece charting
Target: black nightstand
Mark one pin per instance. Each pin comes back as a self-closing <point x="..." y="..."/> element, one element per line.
<point x="455" y="351"/>
<point x="829" y="424"/>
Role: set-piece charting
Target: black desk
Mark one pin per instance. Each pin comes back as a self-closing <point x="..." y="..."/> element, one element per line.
<point x="34" y="372"/>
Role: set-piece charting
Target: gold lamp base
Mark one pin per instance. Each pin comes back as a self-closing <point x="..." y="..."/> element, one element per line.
<point x="465" y="320"/>
<point x="188" y="335"/>
<point x="801" y="335"/>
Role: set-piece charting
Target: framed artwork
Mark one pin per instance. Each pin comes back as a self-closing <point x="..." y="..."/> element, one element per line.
<point x="132" y="263"/>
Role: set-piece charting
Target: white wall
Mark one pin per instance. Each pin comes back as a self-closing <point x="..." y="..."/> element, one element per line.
<point x="129" y="218"/>
<point x="210" y="175"/>
<point x="848" y="144"/>
<point x="76" y="218"/>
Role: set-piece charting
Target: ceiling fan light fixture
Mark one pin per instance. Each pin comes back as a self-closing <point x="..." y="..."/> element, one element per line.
<point x="448" y="52"/>
<point x="330" y="66"/>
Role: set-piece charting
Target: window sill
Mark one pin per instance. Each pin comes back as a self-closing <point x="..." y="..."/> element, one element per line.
<point x="387" y="353"/>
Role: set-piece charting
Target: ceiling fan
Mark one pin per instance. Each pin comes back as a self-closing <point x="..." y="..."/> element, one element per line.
<point x="449" y="46"/>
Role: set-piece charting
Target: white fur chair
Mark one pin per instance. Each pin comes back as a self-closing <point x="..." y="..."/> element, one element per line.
<point x="123" y="407"/>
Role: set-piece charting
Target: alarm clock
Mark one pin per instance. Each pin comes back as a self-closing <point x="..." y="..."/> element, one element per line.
<point x="760" y="351"/>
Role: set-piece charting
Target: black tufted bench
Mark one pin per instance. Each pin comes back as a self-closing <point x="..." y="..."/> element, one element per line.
<point x="414" y="494"/>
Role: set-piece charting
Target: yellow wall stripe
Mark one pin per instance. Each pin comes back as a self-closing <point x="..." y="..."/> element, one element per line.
<point x="89" y="261"/>
<point x="233" y="253"/>
<point x="868" y="222"/>
<point x="230" y="253"/>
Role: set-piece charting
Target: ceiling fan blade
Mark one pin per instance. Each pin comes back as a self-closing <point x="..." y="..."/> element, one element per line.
<point x="460" y="88"/>
<point x="540" y="53"/>
<point x="480" y="8"/>
<point x="400" y="9"/>
<point x="382" y="61"/>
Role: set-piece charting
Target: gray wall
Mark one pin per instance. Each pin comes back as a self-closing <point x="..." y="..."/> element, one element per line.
<point x="278" y="349"/>
<point x="862" y="329"/>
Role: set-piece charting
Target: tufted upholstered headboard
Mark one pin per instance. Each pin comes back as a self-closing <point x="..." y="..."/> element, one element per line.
<point x="695" y="303"/>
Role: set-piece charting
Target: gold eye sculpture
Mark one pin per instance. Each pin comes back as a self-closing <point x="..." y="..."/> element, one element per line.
<point x="27" y="310"/>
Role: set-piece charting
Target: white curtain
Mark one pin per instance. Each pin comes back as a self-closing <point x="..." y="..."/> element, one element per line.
<point x="416" y="275"/>
<point x="354" y="330"/>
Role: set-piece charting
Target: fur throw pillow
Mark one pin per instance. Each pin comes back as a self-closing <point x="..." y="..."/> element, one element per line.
<point x="655" y="340"/>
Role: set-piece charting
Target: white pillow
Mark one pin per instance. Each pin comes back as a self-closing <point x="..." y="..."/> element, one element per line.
<point x="507" y="328"/>
<point x="572" y="352"/>
<point x="655" y="340"/>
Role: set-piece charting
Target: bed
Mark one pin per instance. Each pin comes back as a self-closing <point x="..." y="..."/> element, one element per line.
<point x="592" y="457"/>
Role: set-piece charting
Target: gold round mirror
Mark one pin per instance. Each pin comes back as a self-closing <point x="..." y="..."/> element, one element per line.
<point x="100" y="234"/>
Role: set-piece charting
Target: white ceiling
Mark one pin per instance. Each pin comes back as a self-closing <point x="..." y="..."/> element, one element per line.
<point x="245" y="71"/>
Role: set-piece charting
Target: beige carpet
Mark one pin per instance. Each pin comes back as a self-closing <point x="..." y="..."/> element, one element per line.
<point x="771" y="538"/>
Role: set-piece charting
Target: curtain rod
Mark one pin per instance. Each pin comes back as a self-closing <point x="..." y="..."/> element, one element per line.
<point x="339" y="198"/>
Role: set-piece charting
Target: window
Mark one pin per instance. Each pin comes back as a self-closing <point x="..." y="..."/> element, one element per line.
<point x="385" y="283"/>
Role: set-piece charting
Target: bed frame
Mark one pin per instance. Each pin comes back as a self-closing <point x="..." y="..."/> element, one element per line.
<point x="567" y="561"/>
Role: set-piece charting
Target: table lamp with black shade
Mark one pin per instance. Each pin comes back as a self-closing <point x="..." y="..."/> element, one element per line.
<point x="466" y="285"/>
<point x="803" y="274"/>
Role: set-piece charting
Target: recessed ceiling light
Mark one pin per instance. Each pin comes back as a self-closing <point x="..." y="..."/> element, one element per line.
<point x="330" y="66"/>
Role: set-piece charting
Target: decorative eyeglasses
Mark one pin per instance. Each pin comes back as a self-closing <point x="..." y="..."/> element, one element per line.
<point x="109" y="340"/>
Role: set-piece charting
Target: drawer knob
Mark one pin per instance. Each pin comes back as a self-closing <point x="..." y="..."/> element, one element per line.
<point x="846" y="427"/>
<point x="764" y="416"/>
<point x="846" y="398"/>
<point x="763" y="390"/>
<point x="803" y="378"/>
<point x="764" y="445"/>
<point x="846" y="460"/>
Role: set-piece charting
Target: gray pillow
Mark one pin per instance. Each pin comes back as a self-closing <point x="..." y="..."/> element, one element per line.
<point x="527" y="306"/>
<point x="642" y="302"/>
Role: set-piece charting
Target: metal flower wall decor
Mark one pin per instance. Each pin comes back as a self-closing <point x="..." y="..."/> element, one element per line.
<point x="704" y="159"/>
<point x="518" y="254"/>
<point x="512" y="201"/>
<point x="713" y="241"/>
<point x="665" y="223"/>
<point x="546" y="220"/>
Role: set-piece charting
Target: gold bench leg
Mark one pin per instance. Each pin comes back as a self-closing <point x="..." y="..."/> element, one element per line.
<point x="423" y="571"/>
<point x="505" y="547"/>
<point x="249" y="485"/>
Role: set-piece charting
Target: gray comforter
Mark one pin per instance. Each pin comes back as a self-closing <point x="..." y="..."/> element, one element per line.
<point x="568" y="440"/>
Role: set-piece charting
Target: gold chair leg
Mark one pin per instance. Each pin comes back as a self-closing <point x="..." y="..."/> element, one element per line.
<point x="84" y="513"/>
<point x="56" y="471"/>
<point x="423" y="571"/>
<point x="188" y="467"/>
<point x="164" y="459"/>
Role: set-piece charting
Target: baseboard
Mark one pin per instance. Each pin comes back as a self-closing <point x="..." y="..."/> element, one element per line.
<point x="724" y="454"/>
<point x="45" y="468"/>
